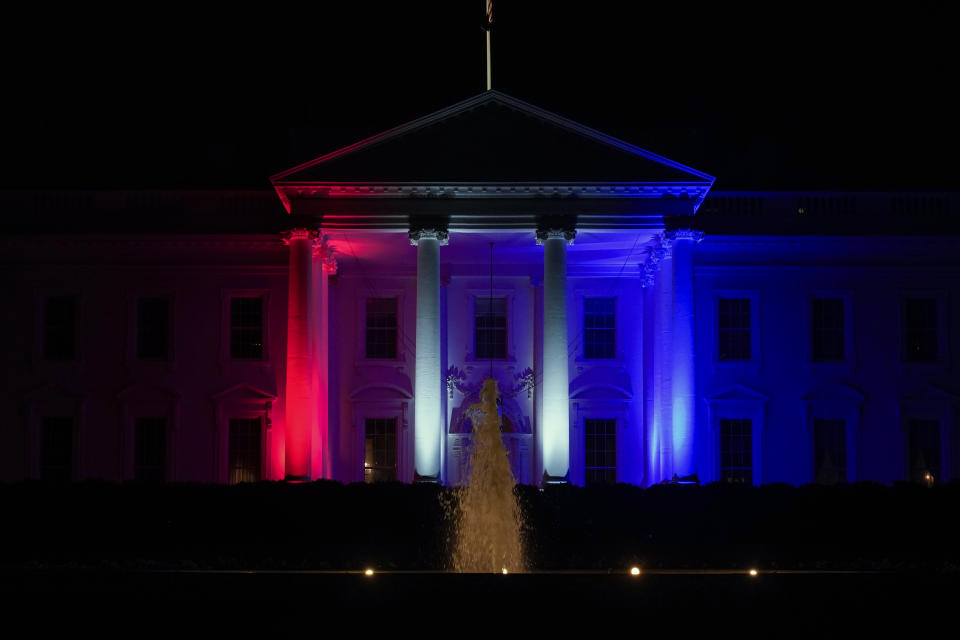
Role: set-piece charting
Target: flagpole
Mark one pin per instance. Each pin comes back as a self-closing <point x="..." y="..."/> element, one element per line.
<point x="488" y="6"/>
<point x="488" y="60"/>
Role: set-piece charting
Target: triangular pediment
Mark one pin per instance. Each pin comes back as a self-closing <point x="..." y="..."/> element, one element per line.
<point x="492" y="137"/>
<point x="738" y="393"/>
<point x="836" y="392"/>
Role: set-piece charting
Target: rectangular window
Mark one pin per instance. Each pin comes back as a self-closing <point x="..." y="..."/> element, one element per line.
<point x="490" y="323"/>
<point x="60" y="328"/>
<point x="382" y="328"/>
<point x="246" y="328"/>
<point x="599" y="328"/>
<point x="600" y="451"/>
<point x="923" y="447"/>
<point x="244" y="448"/>
<point x="830" y="451"/>
<point x="380" y="451"/>
<point x="733" y="329"/>
<point x="826" y="329"/>
<point x="150" y="449"/>
<point x="153" y="328"/>
<point x="56" y="449"/>
<point x="920" y="323"/>
<point x="736" y="451"/>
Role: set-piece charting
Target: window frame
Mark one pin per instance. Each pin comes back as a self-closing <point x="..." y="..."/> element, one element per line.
<point x="39" y="349"/>
<point x="616" y="334"/>
<point x="133" y="329"/>
<point x="756" y="330"/>
<point x="942" y="443"/>
<point x="942" y="327"/>
<point x="364" y="408"/>
<point x="930" y="403"/>
<point x="396" y="446"/>
<point x="849" y="346"/>
<point x="738" y="403"/>
<point x="261" y="420"/>
<point x="403" y="339"/>
<point x="506" y="327"/>
<point x="74" y="444"/>
<point x="586" y="467"/>
<point x="227" y="295"/>
<point x="751" y="430"/>
<point x="512" y="328"/>
<point x="835" y="401"/>
<point x="144" y="401"/>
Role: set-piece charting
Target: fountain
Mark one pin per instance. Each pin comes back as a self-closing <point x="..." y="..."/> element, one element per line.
<point x="486" y="516"/>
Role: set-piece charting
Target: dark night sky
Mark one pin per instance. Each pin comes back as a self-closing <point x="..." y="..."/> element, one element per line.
<point x="777" y="96"/>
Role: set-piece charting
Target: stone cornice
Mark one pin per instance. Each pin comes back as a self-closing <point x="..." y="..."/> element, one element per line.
<point x="441" y="235"/>
<point x="167" y="241"/>
<point x="690" y="190"/>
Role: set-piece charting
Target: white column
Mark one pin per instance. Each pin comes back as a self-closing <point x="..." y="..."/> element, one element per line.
<point x="300" y="396"/>
<point x="682" y="351"/>
<point x="663" y="364"/>
<point x="428" y="385"/>
<point x="324" y="265"/>
<point x="556" y="382"/>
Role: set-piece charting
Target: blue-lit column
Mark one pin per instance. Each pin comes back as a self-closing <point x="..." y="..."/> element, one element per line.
<point x="556" y="381"/>
<point x="683" y="362"/>
<point x="428" y="386"/>
<point x="657" y="362"/>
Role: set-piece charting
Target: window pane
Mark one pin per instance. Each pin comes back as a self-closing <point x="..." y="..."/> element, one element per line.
<point x="920" y="320"/>
<point x="381" y="328"/>
<point x="153" y="328"/>
<point x="600" y="451"/>
<point x="56" y="449"/>
<point x="599" y="328"/>
<point x="244" y="465"/>
<point x="246" y="328"/>
<point x="380" y="457"/>
<point x="826" y="329"/>
<point x="490" y="328"/>
<point x="736" y="451"/>
<point x="60" y="328"/>
<point x="733" y="329"/>
<point x="150" y="449"/>
<point x="830" y="451"/>
<point x="923" y="447"/>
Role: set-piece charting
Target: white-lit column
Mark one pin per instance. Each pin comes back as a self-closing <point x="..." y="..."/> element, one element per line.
<point x="300" y="396"/>
<point x="683" y="363"/>
<point x="324" y="265"/>
<point x="663" y="362"/>
<point x="428" y="385"/>
<point x="556" y="383"/>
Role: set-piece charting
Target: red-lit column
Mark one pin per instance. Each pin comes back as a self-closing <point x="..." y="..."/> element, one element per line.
<point x="301" y="401"/>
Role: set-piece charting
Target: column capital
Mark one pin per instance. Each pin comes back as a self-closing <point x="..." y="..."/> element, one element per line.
<point x="564" y="234"/>
<point x="684" y="234"/>
<point x="299" y="234"/>
<point x="440" y="235"/>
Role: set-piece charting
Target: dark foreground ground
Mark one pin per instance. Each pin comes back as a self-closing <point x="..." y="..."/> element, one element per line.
<point x="856" y="557"/>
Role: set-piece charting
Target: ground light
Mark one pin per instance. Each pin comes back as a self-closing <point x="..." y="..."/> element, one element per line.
<point x="504" y="570"/>
<point x="368" y="572"/>
<point x="634" y="571"/>
<point x="753" y="573"/>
